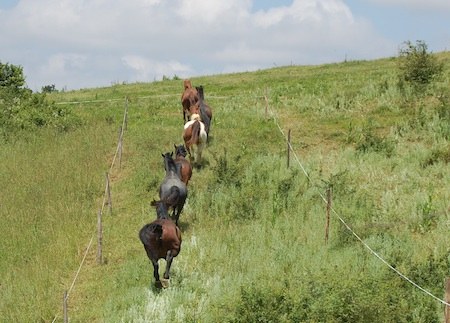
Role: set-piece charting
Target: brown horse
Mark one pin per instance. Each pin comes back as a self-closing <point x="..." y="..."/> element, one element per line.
<point x="195" y="137"/>
<point x="188" y="99"/>
<point x="161" y="239"/>
<point x="183" y="165"/>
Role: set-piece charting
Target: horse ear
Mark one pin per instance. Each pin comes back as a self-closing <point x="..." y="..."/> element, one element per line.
<point x="163" y="155"/>
<point x="174" y="146"/>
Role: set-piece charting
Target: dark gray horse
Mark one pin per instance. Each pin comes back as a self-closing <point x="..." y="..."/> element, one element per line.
<point x="172" y="191"/>
<point x="204" y="110"/>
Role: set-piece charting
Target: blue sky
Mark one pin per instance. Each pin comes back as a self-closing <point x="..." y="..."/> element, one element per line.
<point x="77" y="44"/>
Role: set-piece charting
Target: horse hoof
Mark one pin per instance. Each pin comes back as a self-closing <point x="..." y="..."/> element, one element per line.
<point x="165" y="283"/>
<point x="158" y="284"/>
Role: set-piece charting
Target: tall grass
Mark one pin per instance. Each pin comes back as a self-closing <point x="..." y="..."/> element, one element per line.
<point x="253" y="231"/>
<point x="50" y="182"/>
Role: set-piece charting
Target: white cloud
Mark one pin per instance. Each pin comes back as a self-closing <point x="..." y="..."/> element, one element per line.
<point x="305" y="11"/>
<point x="144" y="69"/>
<point x="212" y="11"/>
<point x="86" y="43"/>
<point x="60" y="63"/>
<point x="427" y="5"/>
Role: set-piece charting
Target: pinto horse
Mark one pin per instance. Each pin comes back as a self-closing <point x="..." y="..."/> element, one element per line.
<point x="189" y="97"/>
<point x="183" y="165"/>
<point x="161" y="239"/>
<point x="195" y="137"/>
<point x="172" y="191"/>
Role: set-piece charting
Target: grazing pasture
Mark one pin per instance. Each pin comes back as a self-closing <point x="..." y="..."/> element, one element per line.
<point x="253" y="230"/>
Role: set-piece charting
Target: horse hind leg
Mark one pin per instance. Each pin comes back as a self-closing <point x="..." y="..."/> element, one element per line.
<point x="176" y="216"/>
<point x="194" y="153"/>
<point x="200" y="148"/>
<point x="169" y="259"/>
<point x="158" y="283"/>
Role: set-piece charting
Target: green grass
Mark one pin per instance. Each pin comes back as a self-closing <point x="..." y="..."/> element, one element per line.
<point x="253" y="231"/>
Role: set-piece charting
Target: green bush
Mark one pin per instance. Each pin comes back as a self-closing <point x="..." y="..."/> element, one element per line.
<point x="11" y="76"/>
<point x="417" y="67"/>
<point x="21" y="109"/>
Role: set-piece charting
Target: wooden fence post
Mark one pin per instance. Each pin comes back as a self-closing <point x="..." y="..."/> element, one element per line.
<point x="125" y="120"/>
<point x="120" y="146"/>
<point x="327" y="226"/>
<point x="108" y="192"/>
<point x="99" y="238"/>
<point x="289" y="148"/>
<point x="447" y="299"/>
<point x="65" y="315"/>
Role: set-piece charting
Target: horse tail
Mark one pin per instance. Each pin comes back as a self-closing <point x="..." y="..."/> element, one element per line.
<point x="148" y="229"/>
<point x="174" y="196"/>
<point x="195" y="133"/>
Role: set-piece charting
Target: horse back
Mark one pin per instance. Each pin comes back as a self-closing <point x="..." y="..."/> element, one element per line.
<point x="185" y="169"/>
<point x="189" y="97"/>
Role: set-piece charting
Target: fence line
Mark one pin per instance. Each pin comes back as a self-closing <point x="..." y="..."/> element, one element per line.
<point x="145" y="97"/>
<point x="350" y="229"/>
<point x="105" y="197"/>
<point x="115" y="100"/>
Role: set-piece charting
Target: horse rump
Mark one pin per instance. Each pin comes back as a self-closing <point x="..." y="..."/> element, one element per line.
<point x="174" y="197"/>
<point x="149" y="232"/>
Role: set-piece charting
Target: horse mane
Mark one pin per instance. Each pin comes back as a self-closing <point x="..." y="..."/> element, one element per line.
<point x="161" y="209"/>
<point x="169" y="163"/>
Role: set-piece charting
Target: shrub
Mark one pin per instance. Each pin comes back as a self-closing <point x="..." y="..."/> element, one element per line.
<point x="226" y="172"/>
<point x="417" y="66"/>
<point x="11" y="76"/>
<point x="20" y="108"/>
<point x="49" y="89"/>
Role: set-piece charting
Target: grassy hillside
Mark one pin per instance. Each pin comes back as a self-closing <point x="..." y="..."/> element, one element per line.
<point x="253" y="230"/>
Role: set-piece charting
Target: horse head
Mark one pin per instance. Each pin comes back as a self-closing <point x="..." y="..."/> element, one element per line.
<point x="180" y="150"/>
